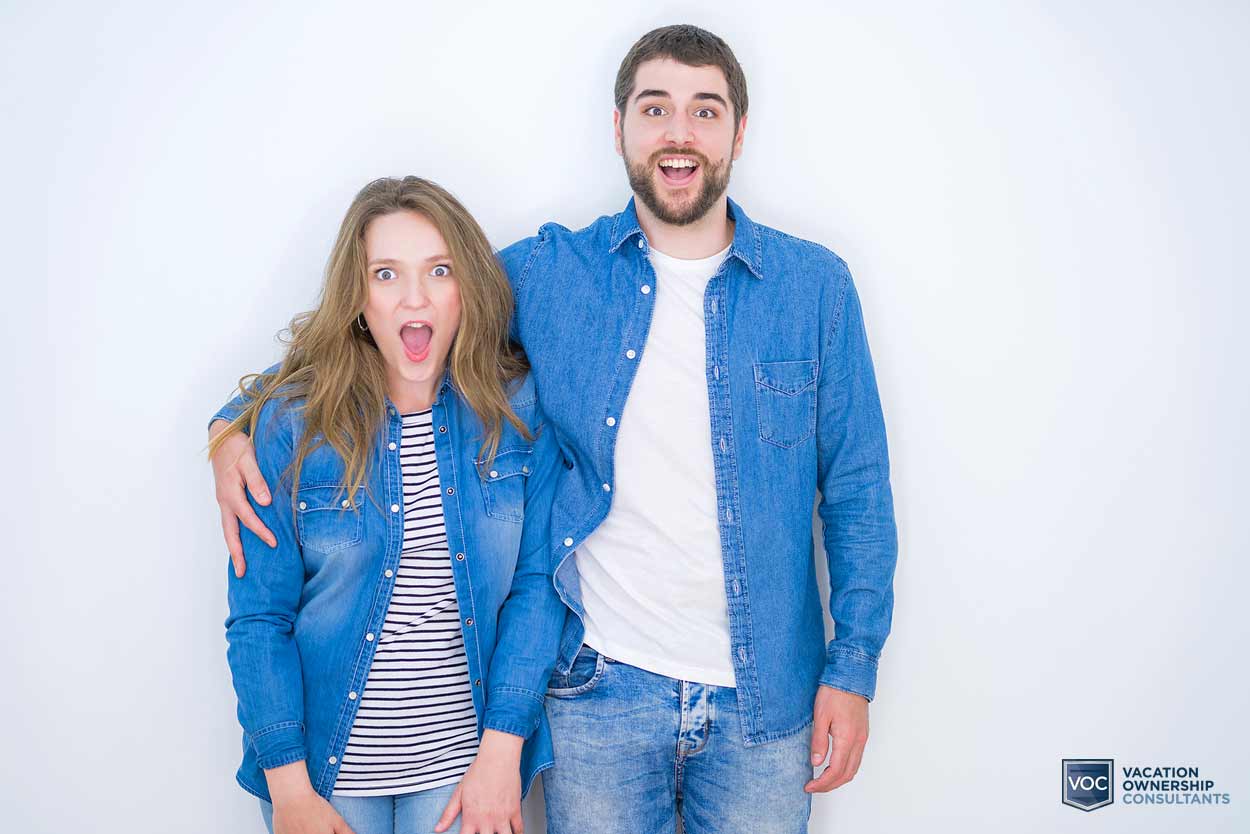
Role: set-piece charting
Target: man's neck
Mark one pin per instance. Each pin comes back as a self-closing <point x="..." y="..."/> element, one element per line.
<point x="701" y="239"/>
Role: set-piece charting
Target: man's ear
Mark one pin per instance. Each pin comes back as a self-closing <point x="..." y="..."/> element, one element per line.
<point x="742" y="132"/>
<point x="616" y="131"/>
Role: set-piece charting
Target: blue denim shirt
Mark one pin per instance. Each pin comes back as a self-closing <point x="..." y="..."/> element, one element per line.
<point x="302" y="617"/>
<point x="794" y="412"/>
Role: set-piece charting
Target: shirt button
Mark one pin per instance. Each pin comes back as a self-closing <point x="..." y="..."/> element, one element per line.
<point x="713" y="306"/>
<point x="459" y="557"/>
<point x="646" y="288"/>
<point x="611" y="421"/>
<point x="391" y="447"/>
<point x="351" y="696"/>
<point x="477" y="682"/>
<point x="303" y="506"/>
<point x="742" y="654"/>
<point x="525" y="470"/>
<point x="469" y="621"/>
<point x="451" y="490"/>
<point x="723" y="445"/>
<point x="369" y="637"/>
<point x="442" y="430"/>
<point x="642" y="244"/>
<point x="333" y="759"/>
<point x="494" y="473"/>
<point x="394" y="508"/>
<point x="607" y="487"/>
<point x="737" y="588"/>
<point x="346" y="503"/>
<point x="389" y="573"/>
<point x="729" y="516"/>
<point x="568" y="542"/>
<point x="716" y="371"/>
<point x="392" y="410"/>
<point x="631" y="353"/>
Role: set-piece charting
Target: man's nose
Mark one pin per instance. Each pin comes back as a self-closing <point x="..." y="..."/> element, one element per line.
<point x="679" y="132"/>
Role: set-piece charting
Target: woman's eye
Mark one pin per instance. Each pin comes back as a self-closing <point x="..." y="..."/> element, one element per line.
<point x="441" y="271"/>
<point x="385" y="274"/>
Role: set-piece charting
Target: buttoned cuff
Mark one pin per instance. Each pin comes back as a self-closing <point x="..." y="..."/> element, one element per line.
<point x="850" y="670"/>
<point x="279" y="744"/>
<point x="513" y="710"/>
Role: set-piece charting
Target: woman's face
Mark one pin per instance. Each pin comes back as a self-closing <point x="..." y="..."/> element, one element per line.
<point x="413" y="305"/>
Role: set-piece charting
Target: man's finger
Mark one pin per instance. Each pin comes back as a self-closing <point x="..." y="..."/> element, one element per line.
<point x="449" y="813"/>
<point x="518" y="823"/>
<point x="820" y="740"/>
<point x="837" y="764"/>
<point x="250" y="520"/>
<point x="852" y="766"/>
<point x="255" y="481"/>
<point x="230" y="529"/>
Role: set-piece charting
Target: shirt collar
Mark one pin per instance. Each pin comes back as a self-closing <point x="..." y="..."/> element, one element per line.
<point x="745" y="246"/>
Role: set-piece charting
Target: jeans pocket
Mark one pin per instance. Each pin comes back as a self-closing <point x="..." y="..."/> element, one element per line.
<point x="785" y="397"/>
<point x="585" y="673"/>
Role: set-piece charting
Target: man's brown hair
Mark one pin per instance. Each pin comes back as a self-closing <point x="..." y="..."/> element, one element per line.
<point x="687" y="45"/>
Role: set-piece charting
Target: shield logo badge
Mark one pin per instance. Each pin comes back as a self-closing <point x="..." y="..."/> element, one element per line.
<point x="1088" y="783"/>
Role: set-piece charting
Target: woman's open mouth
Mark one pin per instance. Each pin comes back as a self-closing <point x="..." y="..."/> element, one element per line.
<point x="416" y="336"/>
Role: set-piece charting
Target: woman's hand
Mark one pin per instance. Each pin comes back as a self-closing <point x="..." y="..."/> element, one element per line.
<point x="234" y="469"/>
<point x="488" y="798"/>
<point x="297" y="808"/>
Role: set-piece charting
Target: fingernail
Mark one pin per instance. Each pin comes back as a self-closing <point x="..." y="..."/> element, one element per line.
<point x="817" y="759"/>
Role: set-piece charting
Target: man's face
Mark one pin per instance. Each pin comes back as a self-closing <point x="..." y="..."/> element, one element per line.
<point x="676" y="135"/>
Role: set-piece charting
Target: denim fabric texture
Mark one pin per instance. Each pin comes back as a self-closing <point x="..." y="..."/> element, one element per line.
<point x="636" y="751"/>
<point x="409" y="813"/>
<point x="794" y="413"/>
<point x="304" y="616"/>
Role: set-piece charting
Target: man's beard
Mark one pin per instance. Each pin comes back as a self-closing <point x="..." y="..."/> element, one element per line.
<point x="715" y="181"/>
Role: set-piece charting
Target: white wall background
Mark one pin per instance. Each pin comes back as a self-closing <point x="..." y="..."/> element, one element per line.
<point x="1044" y="205"/>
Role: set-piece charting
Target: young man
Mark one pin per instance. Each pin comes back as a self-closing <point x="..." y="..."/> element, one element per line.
<point x="707" y="376"/>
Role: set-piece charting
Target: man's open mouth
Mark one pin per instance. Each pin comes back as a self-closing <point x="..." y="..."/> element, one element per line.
<point x="677" y="170"/>
<point x="416" y="336"/>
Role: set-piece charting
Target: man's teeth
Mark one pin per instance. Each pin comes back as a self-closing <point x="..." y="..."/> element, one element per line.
<point x="677" y="163"/>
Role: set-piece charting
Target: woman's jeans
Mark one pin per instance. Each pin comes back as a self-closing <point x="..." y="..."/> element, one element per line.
<point x="409" y="813"/>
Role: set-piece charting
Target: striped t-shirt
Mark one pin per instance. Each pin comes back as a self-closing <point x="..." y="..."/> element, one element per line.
<point x="416" y="728"/>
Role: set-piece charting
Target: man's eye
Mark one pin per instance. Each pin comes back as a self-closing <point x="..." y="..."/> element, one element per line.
<point x="385" y="274"/>
<point x="441" y="271"/>
<point x="705" y="113"/>
<point x="654" y="110"/>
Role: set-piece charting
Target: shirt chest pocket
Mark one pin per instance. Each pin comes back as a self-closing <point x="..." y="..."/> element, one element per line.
<point x="785" y="396"/>
<point x="326" y="520"/>
<point x="503" y="484"/>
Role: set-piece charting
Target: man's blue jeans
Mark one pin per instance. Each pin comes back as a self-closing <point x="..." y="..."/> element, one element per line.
<point x="634" y="750"/>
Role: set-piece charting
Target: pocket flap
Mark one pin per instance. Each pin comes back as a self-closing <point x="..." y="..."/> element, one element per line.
<point x="788" y="378"/>
<point x="508" y="463"/>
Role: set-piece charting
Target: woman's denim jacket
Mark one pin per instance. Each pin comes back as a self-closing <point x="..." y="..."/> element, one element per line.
<point x="304" y="616"/>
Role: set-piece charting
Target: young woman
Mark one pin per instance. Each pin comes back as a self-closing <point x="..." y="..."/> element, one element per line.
<point x="391" y="651"/>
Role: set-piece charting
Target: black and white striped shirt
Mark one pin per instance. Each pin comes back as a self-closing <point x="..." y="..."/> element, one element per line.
<point x="416" y="728"/>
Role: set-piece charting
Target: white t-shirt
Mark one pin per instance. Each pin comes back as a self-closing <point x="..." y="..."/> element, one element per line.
<point x="652" y="577"/>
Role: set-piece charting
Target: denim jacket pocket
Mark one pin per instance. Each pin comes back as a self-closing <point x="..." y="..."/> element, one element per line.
<point x="785" y="396"/>
<point x="503" y="484"/>
<point x="586" y="671"/>
<point x="325" y="520"/>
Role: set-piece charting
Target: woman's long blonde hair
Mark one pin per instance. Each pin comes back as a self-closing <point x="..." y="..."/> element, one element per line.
<point x="335" y="366"/>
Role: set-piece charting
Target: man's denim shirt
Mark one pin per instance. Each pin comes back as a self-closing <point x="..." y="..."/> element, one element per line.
<point x="304" y="617"/>
<point x="794" y="411"/>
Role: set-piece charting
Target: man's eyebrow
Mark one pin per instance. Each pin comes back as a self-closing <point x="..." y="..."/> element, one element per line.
<point x="652" y="93"/>
<point x="710" y="97"/>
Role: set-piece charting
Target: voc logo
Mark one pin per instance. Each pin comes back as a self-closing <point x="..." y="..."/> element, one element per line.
<point x="1088" y="783"/>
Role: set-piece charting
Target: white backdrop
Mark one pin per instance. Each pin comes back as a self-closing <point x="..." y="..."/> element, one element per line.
<point x="1045" y="210"/>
